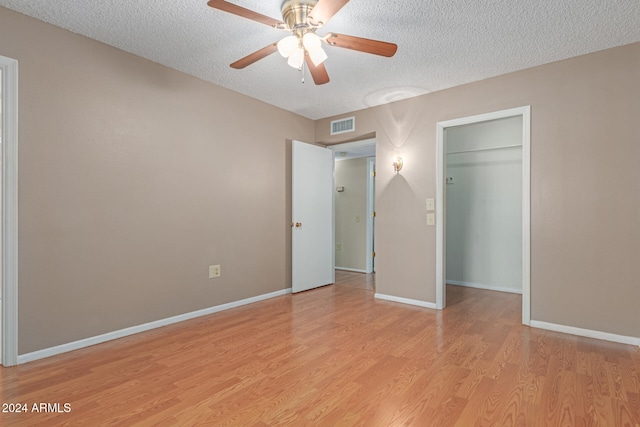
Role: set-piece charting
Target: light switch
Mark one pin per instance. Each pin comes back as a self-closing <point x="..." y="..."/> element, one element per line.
<point x="431" y="219"/>
<point x="357" y="218"/>
<point x="430" y="204"/>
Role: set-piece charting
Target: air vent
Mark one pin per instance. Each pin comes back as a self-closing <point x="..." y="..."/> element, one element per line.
<point x="343" y="125"/>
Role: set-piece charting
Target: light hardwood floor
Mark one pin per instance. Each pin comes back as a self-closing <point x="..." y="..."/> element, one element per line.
<point x="336" y="356"/>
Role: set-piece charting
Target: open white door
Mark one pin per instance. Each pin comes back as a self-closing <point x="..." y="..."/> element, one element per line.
<point x="312" y="215"/>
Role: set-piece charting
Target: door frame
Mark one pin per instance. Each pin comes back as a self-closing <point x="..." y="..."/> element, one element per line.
<point x="9" y="144"/>
<point x="525" y="112"/>
<point x="371" y="208"/>
<point x="370" y="196"/>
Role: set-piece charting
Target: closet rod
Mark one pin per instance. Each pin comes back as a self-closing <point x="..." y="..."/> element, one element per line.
<point x="485" y="149"/>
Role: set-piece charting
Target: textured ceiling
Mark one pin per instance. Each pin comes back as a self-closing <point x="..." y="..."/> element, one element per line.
<point x="441" y="43"/>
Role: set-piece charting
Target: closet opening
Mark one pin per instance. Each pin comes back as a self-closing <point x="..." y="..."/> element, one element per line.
<point x="482" y="205"/>
<point x="483" y="210"/>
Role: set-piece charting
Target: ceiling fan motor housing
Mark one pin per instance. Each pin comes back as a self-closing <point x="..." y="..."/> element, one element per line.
<point x="295" y="14"/>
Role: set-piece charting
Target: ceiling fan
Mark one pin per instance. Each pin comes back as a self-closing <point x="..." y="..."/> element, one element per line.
<point x="302" y="18"/>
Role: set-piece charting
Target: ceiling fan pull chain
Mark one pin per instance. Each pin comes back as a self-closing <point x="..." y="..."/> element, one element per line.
<point x="302" y="69"/>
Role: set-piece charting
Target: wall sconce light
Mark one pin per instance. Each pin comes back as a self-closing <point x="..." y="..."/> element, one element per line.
<point x="397" y="164"/>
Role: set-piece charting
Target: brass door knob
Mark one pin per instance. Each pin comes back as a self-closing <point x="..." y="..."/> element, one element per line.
<point x="298" y="224"/>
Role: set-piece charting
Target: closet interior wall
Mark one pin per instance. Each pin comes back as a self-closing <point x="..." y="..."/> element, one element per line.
<point x="484" y="205"/>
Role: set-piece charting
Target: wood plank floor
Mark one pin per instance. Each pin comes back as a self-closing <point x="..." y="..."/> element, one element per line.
<point x="336" y="356"/>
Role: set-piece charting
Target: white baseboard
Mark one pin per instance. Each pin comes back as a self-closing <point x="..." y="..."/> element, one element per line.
<point x="487" y="287"/>
<point x="585" y="332"/>
<point x="75" y="345"/>
<point x="405" y="300"/>
<point x="355" y="270"/>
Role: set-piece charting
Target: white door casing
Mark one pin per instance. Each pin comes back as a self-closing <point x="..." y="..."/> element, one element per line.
<point x="371" y="200"/>
<point x="9" y="211"/>
<point x="312" y="234"/>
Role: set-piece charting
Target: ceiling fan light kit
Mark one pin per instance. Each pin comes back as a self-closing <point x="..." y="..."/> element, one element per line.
<point x="303" y="18"/>
<point x="293" y="48"/>
<point x="313" y="45"/>
<point x="296" y="58"/>
<point x="287" y="45"/>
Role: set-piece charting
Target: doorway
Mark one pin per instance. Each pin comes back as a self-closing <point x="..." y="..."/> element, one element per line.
<point x="354" y="201"/>
<point x="443" y="180"/>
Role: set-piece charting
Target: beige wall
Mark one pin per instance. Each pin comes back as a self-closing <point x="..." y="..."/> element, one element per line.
<point x="351" y="233"/>
<point x="585" y="185"/>
<point x="134" y="178"/>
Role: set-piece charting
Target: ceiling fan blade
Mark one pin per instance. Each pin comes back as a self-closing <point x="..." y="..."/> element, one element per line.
<point x="255" y="56"/>
<point x="324" y="10"/>
<point x="245" y="13"/>
<point x="375" y="47"/>
<point x="318" y="73"/>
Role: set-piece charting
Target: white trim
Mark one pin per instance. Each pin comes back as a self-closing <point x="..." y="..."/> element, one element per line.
<point x="52" y="351"/>
<point x="585" y="332"/>
<point x="370" y="200"/>
<point x="441" y="289"/>
<point x="355" y="270"/>
<point x="333" y="219"/>
<point x="486" y="287"/>
<point x="405" y="300"/>
<point x="9" y="211"/>
<point x="525" y="112"/>
<point x="370" y="142"/>
<point x="526" y="215"/>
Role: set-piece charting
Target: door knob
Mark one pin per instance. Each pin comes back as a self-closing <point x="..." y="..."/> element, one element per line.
<point x="298" y="224"/>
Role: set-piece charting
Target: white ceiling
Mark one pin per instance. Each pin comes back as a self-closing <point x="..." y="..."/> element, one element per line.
<point x="441" y="43"/>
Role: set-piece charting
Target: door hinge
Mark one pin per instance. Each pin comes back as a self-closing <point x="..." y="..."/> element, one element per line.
<point x="373" y="214"/>
<point x="374" y="254"/>
<point x="374" y="174"/>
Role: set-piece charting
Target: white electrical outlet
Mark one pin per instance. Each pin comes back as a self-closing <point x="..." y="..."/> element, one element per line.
<point x="214" y="271"/>
<point x="430" y="204"/>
